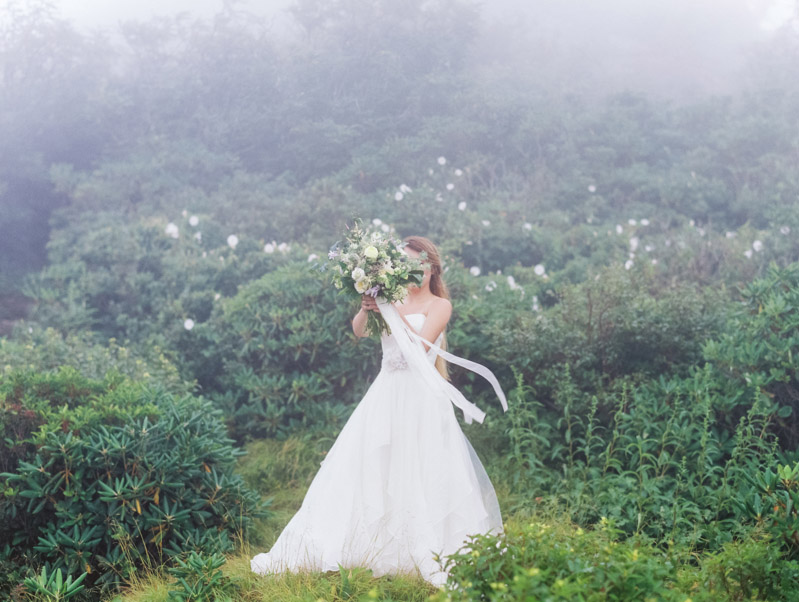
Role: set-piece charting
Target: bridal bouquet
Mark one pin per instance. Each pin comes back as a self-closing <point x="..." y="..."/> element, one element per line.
<point x="374" y="264"/>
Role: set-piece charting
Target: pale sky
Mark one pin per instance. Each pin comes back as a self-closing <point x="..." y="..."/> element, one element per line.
<point x="89" y="14"/>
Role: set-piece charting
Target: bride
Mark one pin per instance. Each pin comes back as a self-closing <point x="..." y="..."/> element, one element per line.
<point x="401" y="484"/>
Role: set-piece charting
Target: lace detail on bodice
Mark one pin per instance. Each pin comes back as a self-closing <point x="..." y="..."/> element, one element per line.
<point x="393" y="359"/>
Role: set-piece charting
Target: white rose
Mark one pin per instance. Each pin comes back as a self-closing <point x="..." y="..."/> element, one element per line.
<point x="358" y="274"/>
<point x="370" y="252"/>
<point x="362" y="286"/>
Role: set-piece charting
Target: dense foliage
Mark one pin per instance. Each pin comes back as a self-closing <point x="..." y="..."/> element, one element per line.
<point x="105" y="477"/>
<point x="628" y="266"/>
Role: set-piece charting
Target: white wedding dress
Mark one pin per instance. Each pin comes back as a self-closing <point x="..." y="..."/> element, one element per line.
<point x="400" y="484"/>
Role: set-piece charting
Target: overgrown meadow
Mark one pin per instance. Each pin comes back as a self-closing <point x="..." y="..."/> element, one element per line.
<point x="175" y="365"/>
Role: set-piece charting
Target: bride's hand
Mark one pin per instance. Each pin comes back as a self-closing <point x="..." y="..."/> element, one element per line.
<point x="369" y="304"/>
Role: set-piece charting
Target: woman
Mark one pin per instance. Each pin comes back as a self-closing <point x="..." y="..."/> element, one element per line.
<point x="401" y="484"/>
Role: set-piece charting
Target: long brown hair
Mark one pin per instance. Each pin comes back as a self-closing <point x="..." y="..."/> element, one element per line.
<point x="437" y="285"/>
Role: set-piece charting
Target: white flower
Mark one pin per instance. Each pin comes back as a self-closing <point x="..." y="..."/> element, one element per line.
<point x="631" y="221"/>
<point x="491" y="286"/>
<point x="269" y="248"/>
<point x="757" y="246"/>
<point x="370" y="252"/>
<point x="283" y="247"/>
<point x="474" y="270"/>
<point x="527" y="226"/>
<point x="439" y="198"/>
<point x="654" y="262"/>
<point x="377" y="221"/>
<point x="458" y="172"/>
<point x="399" y="196"/>
<point x="198" y="236"/>
<point x="634" y="243"/>
<point x="592" y="188"/>
<point x="644" y="222"/>
<point x="748" y="253"/>
<point x="385" y="227"/>
<point x="376" y="237"/>
<point x="184" y="213"/>
<point x="692" y="223"/>
<point x="442" y="161"/>
<point x="30" y="329"/>
<point x="188" y="324"/>
<point x="171" y="230"/>
<point x="649" y="248"/>
<point x="628" y="264"/>
<point x="205" y="253"/>
<point x="512" y="283"/>
<point x="217" y="297"/>
<point x="730" y="234"/>
<point x="194" y="220"/>
<point x="462" y="205"/>
<point x="232" y="241"/>
<point x="619" y="229"/>
<point x="540" y="270"/>
<point x="362" y="286"/>
<point x="701" y="231"/>
<point x="785" y="230"/>
<point x="450" y="186"/>
<point x="312" y="257"/>
<point x="430" y="172"/>
<point x="486" y="223"/>
<point x="358" y="274"/>
<point x="404" y="188"/>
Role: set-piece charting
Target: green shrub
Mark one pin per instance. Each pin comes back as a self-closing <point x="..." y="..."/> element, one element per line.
<point x="288" y="355"/>
<point x="43" y="350"/>
<point x="760" y="349"/>
<point x="538" y="561"/>
<point x="113" y="475"/>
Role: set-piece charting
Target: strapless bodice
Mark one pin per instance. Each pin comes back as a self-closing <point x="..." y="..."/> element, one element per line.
<point x="392" y="356"/>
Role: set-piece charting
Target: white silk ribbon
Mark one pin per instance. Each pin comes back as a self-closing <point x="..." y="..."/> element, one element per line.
<point x="410" y="344"/>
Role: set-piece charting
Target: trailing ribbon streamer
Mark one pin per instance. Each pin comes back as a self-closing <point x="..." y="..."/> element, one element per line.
<point x="410" y="344"/>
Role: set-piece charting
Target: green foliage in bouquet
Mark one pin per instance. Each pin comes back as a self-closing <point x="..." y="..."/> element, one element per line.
<point x="109" y="477"/>
<point x="374" y="264"/>
<point x="287" y="354"/>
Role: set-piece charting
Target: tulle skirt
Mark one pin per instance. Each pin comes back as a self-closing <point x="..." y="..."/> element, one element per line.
<point x="400" y="485"/>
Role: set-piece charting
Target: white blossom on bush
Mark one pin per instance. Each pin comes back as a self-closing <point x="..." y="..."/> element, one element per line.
<point x="377" y="221"/>
<point x="628" y="264"/>
<point x="486" y="223"/>
<point x="442" y="161"/>
<point x="312" y="257"/>
<point x="540" y="270"/>
<point x="194" y="220"/>
<point x="172" y="230"/>
<point x="269" y="247"/>
<point x="592" y="189"/>
<point x="474" y="270"/>
<point x="748" y="253"/>
<point x="462" y="205"/>
<point x="527" y="226"/>
<point x="232" y="241"/>
<point x="450" y="186"/>
<point x="459" y="172"/>
<point x="785" y="230"/>
<point x="188" y="324"/>
<point x="757" y="246"/>
<point x="619" y="229"/>
<point x="399" y="196"/>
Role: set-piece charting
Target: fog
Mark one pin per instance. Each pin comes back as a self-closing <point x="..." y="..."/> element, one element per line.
<point x="680" y="49"/>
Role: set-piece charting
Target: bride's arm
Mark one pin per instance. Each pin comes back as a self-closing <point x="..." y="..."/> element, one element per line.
<point x="437" y="317"/>
<point x="359" y="321"/>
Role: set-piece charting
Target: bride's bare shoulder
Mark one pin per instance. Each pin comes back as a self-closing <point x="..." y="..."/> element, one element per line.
<point x="441" y="305"/>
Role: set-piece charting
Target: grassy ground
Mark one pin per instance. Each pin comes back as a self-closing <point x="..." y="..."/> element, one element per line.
<point x="285" y="469"/>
